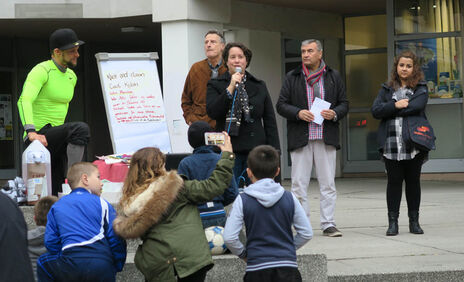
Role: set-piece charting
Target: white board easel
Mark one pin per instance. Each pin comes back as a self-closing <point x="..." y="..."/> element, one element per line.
<point x="133" y="101"/>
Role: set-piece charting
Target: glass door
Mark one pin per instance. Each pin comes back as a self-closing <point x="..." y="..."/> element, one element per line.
<point x="366" y="68"/>
<point x="7" y="142"/>
<point x="433" y="30"/>
<point x="9" y="138"/>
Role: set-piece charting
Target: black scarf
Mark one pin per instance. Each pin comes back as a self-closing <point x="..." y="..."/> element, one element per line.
<point x="239" y="109"/>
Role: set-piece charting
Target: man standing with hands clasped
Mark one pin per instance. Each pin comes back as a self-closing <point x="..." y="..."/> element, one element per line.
<point x="311" y="143"/>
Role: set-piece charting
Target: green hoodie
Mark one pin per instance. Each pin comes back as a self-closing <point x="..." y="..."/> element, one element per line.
<point x="46" y="94"/>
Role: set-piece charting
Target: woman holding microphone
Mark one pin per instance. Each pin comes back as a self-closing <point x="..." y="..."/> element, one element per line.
<point x="241" y="105"/>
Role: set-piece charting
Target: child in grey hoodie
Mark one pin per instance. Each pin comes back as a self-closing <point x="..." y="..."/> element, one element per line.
<point x="268" y="212"/>
<point x="35" y="237"/>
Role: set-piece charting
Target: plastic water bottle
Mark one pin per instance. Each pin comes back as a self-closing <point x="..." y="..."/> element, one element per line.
<point x="37" y="172"/>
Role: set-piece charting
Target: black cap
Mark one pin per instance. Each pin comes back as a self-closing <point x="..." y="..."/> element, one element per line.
<point x="196" y="133"/>
<point x="63" y="39"/>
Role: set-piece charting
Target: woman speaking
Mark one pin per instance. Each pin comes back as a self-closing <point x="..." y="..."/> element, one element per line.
<point x="241" y="105"/>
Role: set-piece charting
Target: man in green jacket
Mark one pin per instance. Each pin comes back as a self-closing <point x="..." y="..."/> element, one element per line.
<point x="44" y="102"/>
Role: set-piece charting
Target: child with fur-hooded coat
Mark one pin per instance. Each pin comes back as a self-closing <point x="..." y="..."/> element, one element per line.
<point x="161" y="208"/>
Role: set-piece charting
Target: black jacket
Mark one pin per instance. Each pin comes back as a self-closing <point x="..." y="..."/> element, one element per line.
<point x="14" y="258"/>
<point x="384" y="109"/>
<point x="293" y="98"/>
<point x="263" y="128"/>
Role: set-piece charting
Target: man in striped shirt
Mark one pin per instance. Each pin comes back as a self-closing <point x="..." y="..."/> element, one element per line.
<point x="310" y="143"/>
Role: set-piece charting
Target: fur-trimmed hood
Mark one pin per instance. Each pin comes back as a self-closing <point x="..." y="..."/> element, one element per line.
<point x="147" y="208"/>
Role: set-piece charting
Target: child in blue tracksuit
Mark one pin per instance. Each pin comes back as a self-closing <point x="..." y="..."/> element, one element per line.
<point x="199" y="166"/>
<point x="79" y="234"/>
<point x="268" y="212"/>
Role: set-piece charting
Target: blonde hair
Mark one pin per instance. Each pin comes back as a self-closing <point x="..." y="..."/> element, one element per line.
<point x="41" y="209"/>
<point x="147" y="164"/>
<point x="77" y="170"/>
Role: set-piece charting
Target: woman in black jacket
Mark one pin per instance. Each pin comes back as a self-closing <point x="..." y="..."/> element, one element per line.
<point x="403" y="98"/>
<point x="241" y="105"/>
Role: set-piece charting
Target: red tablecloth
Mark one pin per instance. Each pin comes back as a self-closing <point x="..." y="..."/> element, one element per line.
<point x="112" y="172"/>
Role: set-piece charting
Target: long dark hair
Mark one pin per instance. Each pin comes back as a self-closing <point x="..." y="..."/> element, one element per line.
<point x="416" y="76"/>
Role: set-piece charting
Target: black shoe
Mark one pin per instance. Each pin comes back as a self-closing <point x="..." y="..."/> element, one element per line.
<point x="332" y="231"/>
<point x="392" y="223"/>
<point x="414" y="226"/>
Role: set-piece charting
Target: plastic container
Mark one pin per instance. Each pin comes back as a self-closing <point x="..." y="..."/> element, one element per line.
<point x="37" y="173"/>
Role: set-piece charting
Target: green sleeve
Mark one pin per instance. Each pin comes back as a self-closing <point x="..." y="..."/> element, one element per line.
<point x="36" y="78"/>
<point x="202" y="191"/>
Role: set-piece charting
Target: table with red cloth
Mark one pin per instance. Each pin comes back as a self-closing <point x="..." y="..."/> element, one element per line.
<point x="115" y="172"/>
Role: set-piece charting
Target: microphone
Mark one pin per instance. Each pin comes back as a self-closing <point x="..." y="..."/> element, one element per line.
<point x="239" y="70"/>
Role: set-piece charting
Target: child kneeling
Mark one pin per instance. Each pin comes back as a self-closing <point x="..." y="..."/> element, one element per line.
<point x="79" y="236"/>
<point x="161" y="208"/>
<point x="268" y="212"/>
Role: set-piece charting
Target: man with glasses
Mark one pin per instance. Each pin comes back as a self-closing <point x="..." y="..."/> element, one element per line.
<point x="44" y="102"/>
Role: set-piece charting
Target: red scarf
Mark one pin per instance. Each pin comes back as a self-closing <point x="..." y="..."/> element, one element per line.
<point x="315" y="77"/>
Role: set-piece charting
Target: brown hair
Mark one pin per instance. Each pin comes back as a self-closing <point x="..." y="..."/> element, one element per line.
<point x="247" y="52"/>
<point x="263" y="161"/>
<point x="416" y="76"/>
<point x="41" y="209"/>
<point x="146" y="165"/>
<point x="77" y="170"/>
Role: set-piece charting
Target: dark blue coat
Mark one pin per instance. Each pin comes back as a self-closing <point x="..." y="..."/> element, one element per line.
<point x="384" y="109"/>
<point x="199" y="166"/>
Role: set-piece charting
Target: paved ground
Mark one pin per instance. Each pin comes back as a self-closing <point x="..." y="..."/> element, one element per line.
<point x="361" y="215"/>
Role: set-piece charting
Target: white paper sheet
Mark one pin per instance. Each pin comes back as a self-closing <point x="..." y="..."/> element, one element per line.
<point x="317" y="107"/>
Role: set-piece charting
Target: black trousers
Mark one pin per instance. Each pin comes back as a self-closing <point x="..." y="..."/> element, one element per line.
<point x="408" y="171"/>
<point x="276" y="274"/>
<point x="58" y="137"/>
<point x="198" y="276"/>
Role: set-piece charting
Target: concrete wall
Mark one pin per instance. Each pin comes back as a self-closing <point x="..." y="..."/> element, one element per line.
<point x="200" y="10"/>
<point x="182" y="46"/>
<point x="50" y="9"/>
<point x="184" y="23"/>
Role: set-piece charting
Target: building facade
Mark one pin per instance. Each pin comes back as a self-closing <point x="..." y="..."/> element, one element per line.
<point x="361" y="43"/>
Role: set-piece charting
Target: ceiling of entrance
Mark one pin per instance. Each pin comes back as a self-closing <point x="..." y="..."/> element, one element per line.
<point x="41" y="28"/>
<point x="342" y="7"/>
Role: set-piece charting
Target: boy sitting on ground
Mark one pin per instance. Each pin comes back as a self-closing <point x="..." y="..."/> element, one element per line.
<point x="199" y="166"/>
<point x="79" y="236"/>
<point x="35" y="237"/>
<point x="268" y="212"/>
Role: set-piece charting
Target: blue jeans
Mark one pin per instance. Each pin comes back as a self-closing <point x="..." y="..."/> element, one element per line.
<point x="240" y="170"/>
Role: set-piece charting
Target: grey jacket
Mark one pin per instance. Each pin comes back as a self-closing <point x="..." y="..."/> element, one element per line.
<point x="36" y="246"/>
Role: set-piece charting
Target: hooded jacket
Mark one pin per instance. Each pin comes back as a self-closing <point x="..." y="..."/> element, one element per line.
<point x="166" y="218"/>
<point x="36" y="246"/>
<point x="266" y="202"/>
<point x="199" y="166"/>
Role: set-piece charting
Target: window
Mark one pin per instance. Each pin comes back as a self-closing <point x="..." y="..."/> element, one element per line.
<point x="366" y="66"/>
<point x="432" y="29"/>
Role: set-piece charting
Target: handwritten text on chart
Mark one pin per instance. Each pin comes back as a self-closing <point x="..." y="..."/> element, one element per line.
<point x="130" y="100"/>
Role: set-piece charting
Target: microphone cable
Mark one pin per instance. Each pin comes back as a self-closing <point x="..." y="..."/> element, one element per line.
<point x="232" y="110"/>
